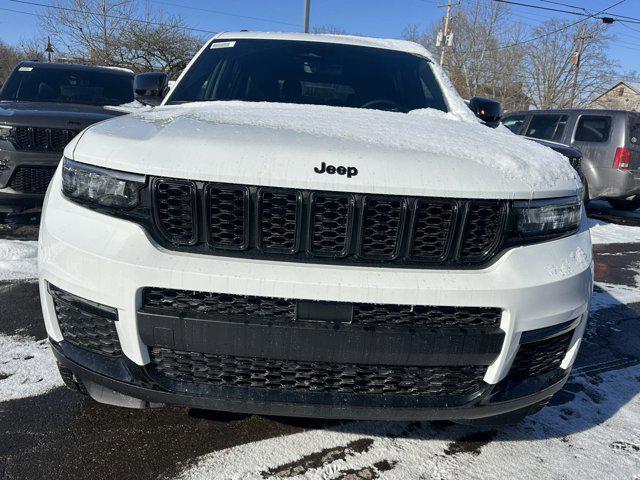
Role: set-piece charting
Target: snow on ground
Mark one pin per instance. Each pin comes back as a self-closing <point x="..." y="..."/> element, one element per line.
<point x="18" y="259"/>
<point x="604" y="232"/>
<point x="589" y="437"/>
<point x="27" y="368"/>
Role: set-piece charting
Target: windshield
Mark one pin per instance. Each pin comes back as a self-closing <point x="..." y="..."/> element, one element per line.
<point x="33" y="84"/>
<point x="310" y="73"/>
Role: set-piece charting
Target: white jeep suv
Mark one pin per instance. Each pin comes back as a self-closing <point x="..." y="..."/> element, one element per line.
<point x="314" y="225"/>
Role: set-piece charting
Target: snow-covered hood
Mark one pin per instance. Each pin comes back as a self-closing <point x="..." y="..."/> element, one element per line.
<point x="426" y="152"/>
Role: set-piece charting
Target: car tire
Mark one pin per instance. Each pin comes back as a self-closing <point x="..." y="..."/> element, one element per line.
<point x="70" y="380"/>
<point x="624" y="204"/>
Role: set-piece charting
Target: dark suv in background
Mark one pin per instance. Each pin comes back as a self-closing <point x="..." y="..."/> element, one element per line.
<point x="608" y="139"/>
<point x="42" y="107"/>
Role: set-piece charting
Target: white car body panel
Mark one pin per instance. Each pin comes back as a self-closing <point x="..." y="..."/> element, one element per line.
<point x="426" y="153"/>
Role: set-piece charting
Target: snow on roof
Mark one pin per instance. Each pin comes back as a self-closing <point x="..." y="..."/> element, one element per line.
<point x="386" y="43"/>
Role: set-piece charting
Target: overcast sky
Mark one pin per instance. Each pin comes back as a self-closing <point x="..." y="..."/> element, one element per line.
<point x="379" y="18"/>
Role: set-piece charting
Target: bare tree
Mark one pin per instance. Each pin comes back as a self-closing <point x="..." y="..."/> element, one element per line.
<point x="9" y="56"/>
<point x="481" y="61"/>
<point x="120" y="33"/>
<point x="549" y="66"/>
<point x="149" y="46"/>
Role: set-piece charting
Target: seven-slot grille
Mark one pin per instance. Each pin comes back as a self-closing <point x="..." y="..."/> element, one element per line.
<point x="318" y="377"/>
<point x="43" y="139"/>
<point x="302" y="225"/>
<point x="31" y="179"/>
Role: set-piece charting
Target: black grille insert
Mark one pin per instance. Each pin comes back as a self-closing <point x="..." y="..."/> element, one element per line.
<point x="31" y="179"/>
<point x="537" y="358"/>
<point x="176" y="210"/>
<point x="279" y="220"/>
<point x="86" y="324"/>
<point x="331" y="224"/>
<point x="43" y="139"/>
<point x="326" y="227"/>
<point x="381" y="230"/>
<point x="227" y="216"/>
<point x="321" y="377"/>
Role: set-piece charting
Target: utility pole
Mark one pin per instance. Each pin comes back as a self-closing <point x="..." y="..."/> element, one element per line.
<point x="307" y="10"/>
<point x="49" y="48"/>
<point x="445" y="40"/>
<point x="577" y="56"/>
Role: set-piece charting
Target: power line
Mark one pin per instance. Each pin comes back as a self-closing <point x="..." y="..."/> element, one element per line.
<point x="115" y="17"/>
<point x="558" y="30"/>
<point x="585" y="13"/>
<point x="218" y="12"/>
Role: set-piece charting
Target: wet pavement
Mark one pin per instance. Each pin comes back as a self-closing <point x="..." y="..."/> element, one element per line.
<point x="64" y="435"/>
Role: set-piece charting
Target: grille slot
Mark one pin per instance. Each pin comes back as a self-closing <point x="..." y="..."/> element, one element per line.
<point x="43" y="139"/>
<point x="228" y="216"/>
<point x="540" y="357"/>
<point x="175" y="210"/>
<point x="31" y="179"/>
<point x="279" y="220"/>
<point x="321" y="377"/>
<point x="382" y="221"/>
<point x="433" y="227"/>
<point x="86" y="324"/>
<point x="482" y="231"/>
<point x="331" y="224"/>
<point x="326" y="227"/>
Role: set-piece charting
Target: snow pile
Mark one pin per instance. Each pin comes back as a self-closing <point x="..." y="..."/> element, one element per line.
<point x="594" y="433"/>
<point x="18" y="259"/>
<point x="428" y="131"/>
<point x="604" y="232"/>
<point x="27" y="368"/>
<point x="130" y="107"/>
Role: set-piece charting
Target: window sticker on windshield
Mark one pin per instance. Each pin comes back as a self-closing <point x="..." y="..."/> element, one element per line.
<point x="223" y="45"/>
<point x="25" y="69"/>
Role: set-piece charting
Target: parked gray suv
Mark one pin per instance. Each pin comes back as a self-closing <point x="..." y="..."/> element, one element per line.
<point x="608" y="139"/>
<point x="42" y="107"/>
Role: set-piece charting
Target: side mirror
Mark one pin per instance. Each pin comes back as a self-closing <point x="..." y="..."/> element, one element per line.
<point x="487" y="110"/>
<point x="150" y="88"/>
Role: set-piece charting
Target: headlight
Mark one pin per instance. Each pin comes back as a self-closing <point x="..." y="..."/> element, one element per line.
<point x="5" y="132"/>
<point x="548" y="217"/>
<point x="100" y="186"/>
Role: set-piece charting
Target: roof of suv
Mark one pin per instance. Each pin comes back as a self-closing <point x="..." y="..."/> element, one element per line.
<point x="567" y="110"/>
<point x="386" y="43"/>
<point x="76" y="67"/>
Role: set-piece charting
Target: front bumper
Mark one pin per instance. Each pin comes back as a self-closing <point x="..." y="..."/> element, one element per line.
<point x="611" y="183"/>
<point x="110" y="261"/>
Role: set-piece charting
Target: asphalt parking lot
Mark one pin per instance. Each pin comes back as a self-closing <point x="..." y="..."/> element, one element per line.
<point x="61" y="435"/>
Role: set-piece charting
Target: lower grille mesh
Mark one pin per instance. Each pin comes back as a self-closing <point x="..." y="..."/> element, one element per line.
<point x="288" y="375"/>
<point x="86" y="324"/>
<point x="204" y="304"/>
<point x="31" y="179"/>
<point x="541" y="357"/>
